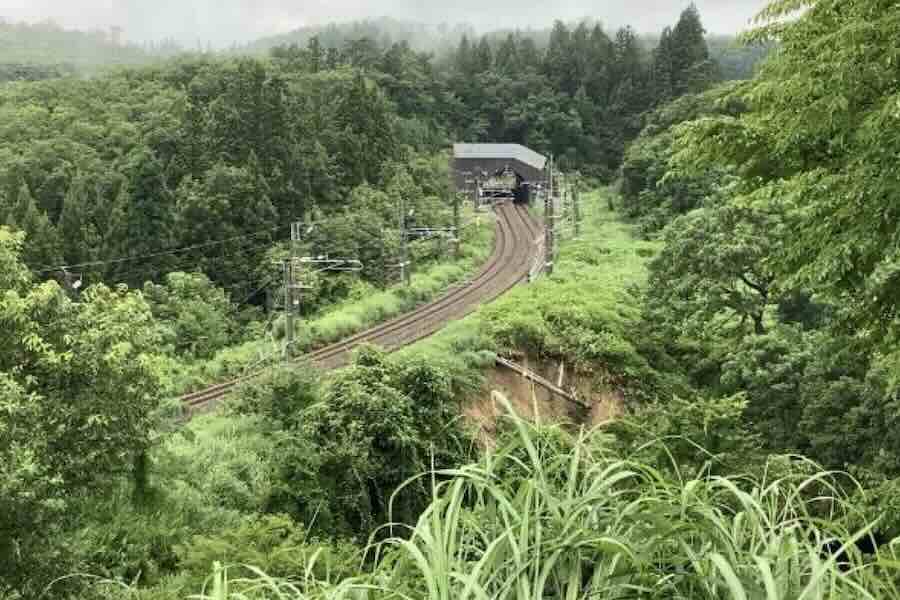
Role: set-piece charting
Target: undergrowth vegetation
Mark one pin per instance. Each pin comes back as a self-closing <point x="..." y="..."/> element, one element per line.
<point x="554" y="514"/>
<point x="298" y="466"/>
<point x="588" y="311"/>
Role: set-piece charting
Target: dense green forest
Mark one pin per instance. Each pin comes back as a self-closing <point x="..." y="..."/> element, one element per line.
<point x="384" y="32"/>
<point x="115" y="176"/>
<point x="734" y="287"/>
<point x="735" y="59"/>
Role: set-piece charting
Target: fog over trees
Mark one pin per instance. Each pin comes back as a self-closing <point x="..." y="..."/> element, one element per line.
<point x="224" y="22"/>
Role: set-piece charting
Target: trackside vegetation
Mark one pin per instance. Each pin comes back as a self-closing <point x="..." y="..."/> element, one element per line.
<point x="364" y="306"/>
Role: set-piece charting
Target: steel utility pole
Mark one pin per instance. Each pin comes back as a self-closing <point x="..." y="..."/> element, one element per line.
<point x="72" y="281"/>
<point x="575" y="206"/>
<point x="455" y="198"/>
<point x="476" y="193"/>
<point x="471" y="188"/>
<point x="569" y="204"/>
<point x="563" y="206"/>
<point x="456" y="231"/>
<point x="291" y="289"/>
<point x="549" y="237"/>
<point x="288" y="274"/>
<point x="405" y="274"/>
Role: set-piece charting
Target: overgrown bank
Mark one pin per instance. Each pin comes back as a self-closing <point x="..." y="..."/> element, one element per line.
<point x="588" y="313"/>
<point x="551" y="514"/>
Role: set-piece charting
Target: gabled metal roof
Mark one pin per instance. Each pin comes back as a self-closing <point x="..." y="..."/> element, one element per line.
<point x="500" y="152"/>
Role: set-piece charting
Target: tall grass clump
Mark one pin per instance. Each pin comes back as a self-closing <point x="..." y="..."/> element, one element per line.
<point x="355" y="315"/>
<point x="549" y="514"/>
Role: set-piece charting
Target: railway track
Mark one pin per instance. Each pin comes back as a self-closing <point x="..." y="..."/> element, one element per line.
<point x="507" y="266"/>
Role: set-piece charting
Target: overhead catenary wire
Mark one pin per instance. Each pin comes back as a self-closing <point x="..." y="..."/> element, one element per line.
<point x="181" y="261"/>
<point x="191" y="261"/>
<point x="192" y="247"/>
<point x="122" y="275"/>
<point x="240" y="244"/>
<point x="184" y="249"/>
<point x="266" y="283"/>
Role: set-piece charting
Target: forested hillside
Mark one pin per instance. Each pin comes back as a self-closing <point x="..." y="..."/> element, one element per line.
<point x="110" y="175"/>
<point x="773" y="202"/>
<point x="728" y="307"/>
<point x="736" y="60"/>
<point x="37" y="51"/>
<point x="779" y="195"/>
<point x="384" y="32"/>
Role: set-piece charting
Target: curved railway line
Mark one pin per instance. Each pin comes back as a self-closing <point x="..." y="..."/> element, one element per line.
<point x="507" y="266"/>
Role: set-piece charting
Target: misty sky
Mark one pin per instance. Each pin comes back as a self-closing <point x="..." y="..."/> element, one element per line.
<point x="224" y="21"/>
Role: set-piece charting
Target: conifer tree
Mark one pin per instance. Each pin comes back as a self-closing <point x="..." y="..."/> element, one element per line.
<point x="484" y="60"/>
<point x="528" y="53"/>
<point x="367" y="132"/>
<point x="689" y="52"/>
<point x="580" y="55"/>
<point x="464" y="59"/>
<point x="628" y="55"/>
<point x="663" y="89"/>
<point x="42" y="243"/>
<point x="602" y="58"/>
<point x="631" y="95"/>
<point x="237" y="200"/>
<point x="507" y="59"/>
<point x="558" y="63"/>
<point x="332" y="58"/>
<point x="82" y="241"/>
<point x="315" y="54"/>
<point x="150" y="221"/>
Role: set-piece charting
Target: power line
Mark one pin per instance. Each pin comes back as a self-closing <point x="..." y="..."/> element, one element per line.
<point x="266" y="283"/>
<point x="376" y="240"/>
<point x="99" y="263"/>
<point x="183" y="249"/>
<point x="184" y="261"/>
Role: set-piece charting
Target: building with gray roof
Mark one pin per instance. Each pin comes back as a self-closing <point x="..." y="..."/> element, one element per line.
<point x="481" y="161"/>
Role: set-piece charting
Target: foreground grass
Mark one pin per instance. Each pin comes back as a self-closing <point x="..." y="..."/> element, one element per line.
<point x="552" y="515"/>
